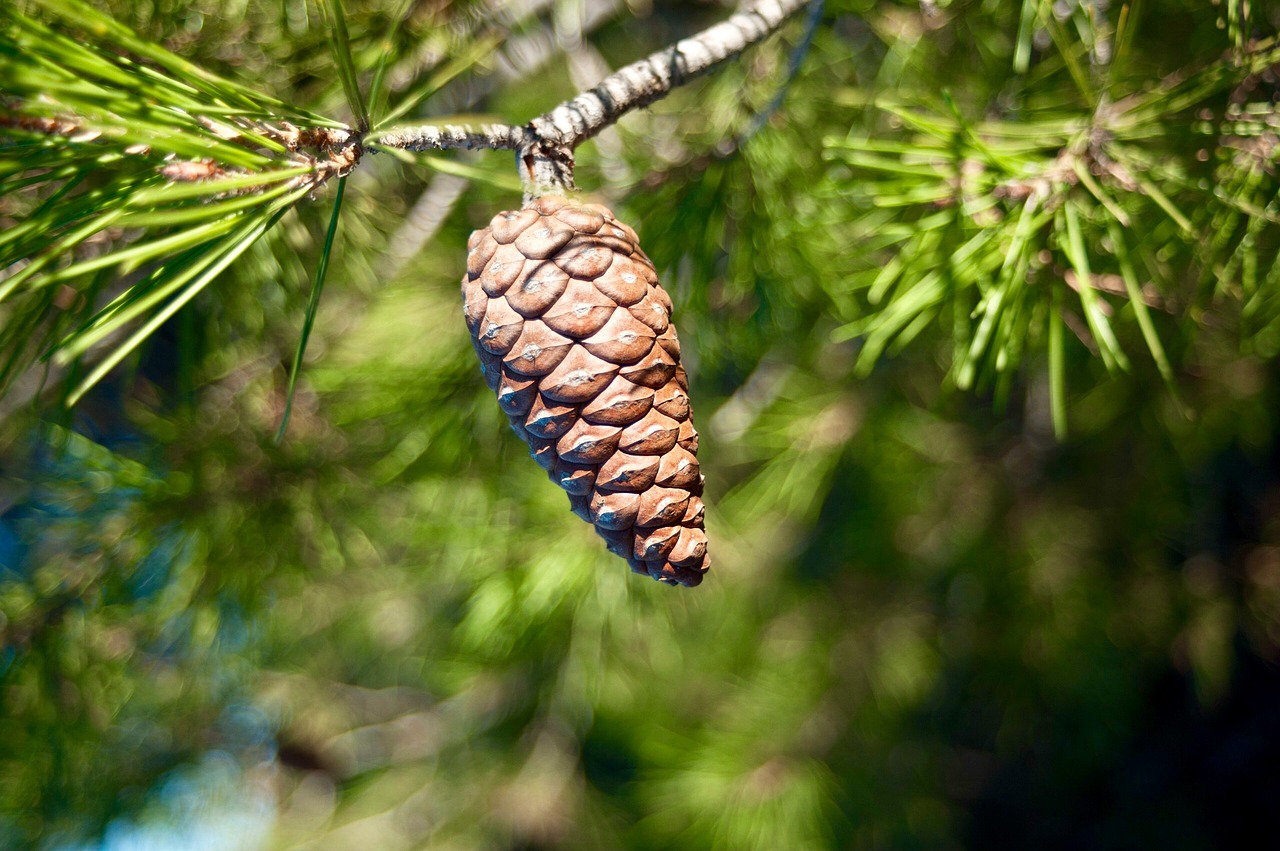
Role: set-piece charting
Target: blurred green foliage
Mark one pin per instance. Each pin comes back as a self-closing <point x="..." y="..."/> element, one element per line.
<point x="930" y="624"/>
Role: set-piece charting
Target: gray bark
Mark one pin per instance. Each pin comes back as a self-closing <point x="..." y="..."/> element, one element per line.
<point x="441" y="137"/>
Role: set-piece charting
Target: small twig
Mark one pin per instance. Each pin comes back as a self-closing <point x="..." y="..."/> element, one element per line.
<point x="497" y="137"/>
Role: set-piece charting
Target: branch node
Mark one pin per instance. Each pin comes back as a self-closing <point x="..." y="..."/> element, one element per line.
<point x="546" y="165"/>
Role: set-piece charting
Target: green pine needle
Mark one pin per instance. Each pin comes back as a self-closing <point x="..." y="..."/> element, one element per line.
<point x="475" y="52"/>
<point x="226" y="253"/>
<point x="313" y="304"/>
<point x="378" y="88"/>
<point x="1057" y="372"/>
<point x="169" y="171"/>
<point x="340" y="46"/>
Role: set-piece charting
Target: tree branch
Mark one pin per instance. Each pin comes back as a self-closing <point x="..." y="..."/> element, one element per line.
<point x="643" y="82"/>
<point x="544" y="148"/>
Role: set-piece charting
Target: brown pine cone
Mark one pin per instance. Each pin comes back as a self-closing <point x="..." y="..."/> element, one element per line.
<point x="574" y="334"/>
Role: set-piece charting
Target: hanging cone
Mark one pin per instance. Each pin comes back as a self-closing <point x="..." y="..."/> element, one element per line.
<point x="574" y="334"/>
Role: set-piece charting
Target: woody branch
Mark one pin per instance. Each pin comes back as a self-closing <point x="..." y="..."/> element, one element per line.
<point x="544" y="147"/>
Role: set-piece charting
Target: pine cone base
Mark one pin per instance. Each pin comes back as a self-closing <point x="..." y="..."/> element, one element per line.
<point x="574" y="334"/>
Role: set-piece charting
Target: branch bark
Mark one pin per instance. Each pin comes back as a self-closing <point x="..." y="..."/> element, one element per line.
<point x="498" y="137"/>
<point x="544" y="147"/>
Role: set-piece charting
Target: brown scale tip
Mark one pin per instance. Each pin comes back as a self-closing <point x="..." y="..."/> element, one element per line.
<point x="575" y="336"/>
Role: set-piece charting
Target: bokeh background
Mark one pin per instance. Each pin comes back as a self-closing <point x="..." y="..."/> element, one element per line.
<point x="931" y="623"/>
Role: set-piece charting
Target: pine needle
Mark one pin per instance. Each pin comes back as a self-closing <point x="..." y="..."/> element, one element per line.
<point x="409" y="100"/>
<point x="313" y="304"/>
<point x="1057" y="371"/>
<point x="230" y="249"/>
<point x="340" y="46"/>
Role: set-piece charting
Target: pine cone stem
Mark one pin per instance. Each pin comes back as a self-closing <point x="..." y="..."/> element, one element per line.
<point x="545" y="168"/>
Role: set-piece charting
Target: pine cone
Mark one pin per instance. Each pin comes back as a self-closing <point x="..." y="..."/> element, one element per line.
<point x="574" y="334"/>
